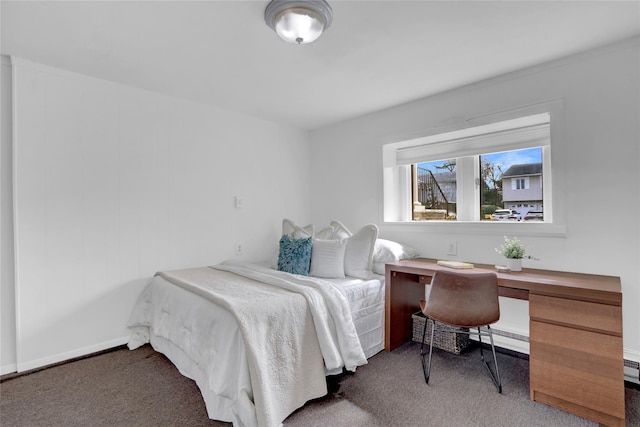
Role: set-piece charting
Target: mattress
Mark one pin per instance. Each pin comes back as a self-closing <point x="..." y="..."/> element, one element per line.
<point x="366" y="299"/>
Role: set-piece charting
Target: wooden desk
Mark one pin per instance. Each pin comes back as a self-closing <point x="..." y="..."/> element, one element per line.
<point x="575" y="332"/>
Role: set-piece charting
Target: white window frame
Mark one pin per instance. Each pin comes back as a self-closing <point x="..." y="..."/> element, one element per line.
<point x="396" y="177"/>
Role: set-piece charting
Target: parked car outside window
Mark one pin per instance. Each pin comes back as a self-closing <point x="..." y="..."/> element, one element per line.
<point x="506" y="214"/>
<point x="534" y="216"/>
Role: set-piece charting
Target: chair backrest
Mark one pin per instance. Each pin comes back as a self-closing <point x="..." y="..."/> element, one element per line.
<point x="463" y="299"/>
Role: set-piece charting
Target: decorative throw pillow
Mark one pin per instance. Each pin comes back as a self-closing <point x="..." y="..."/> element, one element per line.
<point x="292" y="230"/>
<point x="358" y="258"/>
<point x="325" y="233"/>
<point x="339" y="230"/>
<point x="295" y="255"/>
<point x="289" y="228"/>
<point x="327" y="258"/>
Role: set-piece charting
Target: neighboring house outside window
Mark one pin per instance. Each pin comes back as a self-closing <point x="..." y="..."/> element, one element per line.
<point x="522" y="188"/>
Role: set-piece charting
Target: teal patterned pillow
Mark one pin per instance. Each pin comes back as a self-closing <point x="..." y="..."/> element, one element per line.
<point x="295" y="255"/>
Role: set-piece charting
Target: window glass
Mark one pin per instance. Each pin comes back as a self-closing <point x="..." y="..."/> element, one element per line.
<point x="435" y="190"/>
<point x="510" y="187"/>
<point x="511" y="180"/>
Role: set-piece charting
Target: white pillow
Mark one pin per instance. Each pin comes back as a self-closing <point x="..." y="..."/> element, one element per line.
<point x="389" y="251"/>
<point x="296" y="232"/>
<point x="327" y="258"/>
<point x="379" y="268"/>
<point x="386" y="251"/>
<point x="358" y="258"/>
<point x="339" y="230"/>
<point x="325" y="233"/>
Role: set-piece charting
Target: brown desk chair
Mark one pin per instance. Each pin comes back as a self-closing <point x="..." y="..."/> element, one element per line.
<point x="462" y="300"/>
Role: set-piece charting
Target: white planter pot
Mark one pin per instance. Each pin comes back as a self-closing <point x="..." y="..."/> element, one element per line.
<point x="514" y="264"/>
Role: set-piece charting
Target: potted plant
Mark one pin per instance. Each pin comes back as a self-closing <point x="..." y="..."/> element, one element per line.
<point x="514" y="251"/>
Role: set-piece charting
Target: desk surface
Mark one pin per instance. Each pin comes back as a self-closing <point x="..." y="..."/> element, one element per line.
<point x="584" y="287"/>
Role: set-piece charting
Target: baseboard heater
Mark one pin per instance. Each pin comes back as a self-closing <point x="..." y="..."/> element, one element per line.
<point x="510" y="335"/>
<point x="627" y="363"/>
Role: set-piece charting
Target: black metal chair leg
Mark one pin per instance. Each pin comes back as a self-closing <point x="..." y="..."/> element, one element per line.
<point x="496" y="379"/>
<point x="424" y="332"/>
<point x="427" y="370"/>
<point x="433" y="330"/>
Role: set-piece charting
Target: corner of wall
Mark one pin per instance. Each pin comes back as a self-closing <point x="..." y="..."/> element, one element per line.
<point x="7" y="291"/>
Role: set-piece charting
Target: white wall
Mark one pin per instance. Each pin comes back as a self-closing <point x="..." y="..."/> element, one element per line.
<point x="112" y="184"/>
<point x="595" y="162"/>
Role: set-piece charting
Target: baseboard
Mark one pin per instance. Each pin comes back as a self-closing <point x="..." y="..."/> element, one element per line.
<point x="632" y="376"/>
<point x="69" y="355"/>
<point x="8" y="369"/>
<point x="15" y="374"/>
<point x="508" y="340"/>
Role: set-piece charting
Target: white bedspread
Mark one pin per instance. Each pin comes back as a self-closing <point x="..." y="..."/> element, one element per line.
<point x="294" y="331"/>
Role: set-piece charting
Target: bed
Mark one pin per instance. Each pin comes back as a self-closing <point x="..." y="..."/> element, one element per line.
<point x="259" y="341"/>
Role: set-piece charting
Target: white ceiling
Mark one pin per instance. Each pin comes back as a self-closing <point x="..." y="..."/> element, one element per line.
<point x="376" y="54"/>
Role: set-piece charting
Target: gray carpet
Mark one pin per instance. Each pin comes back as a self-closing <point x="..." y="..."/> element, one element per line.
<point x="142" y="388"/>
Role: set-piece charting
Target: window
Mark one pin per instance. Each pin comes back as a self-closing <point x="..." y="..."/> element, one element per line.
<point x="434" y="190"/>
<point x="506" y="179"/>
<point x="467" y="175"/>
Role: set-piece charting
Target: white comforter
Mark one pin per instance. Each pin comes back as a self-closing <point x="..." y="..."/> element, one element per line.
<point x="293" y="332"/>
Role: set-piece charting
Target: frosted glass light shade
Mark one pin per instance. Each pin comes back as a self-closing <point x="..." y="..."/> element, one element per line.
<point x="298" y="22"/>
<point x="298" y="25"/>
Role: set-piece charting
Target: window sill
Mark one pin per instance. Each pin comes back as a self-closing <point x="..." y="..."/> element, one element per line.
<point x="491" y="228"/>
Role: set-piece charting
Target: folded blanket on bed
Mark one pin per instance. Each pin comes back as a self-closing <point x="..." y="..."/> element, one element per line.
<point x="337" y="334"/>
<point x="288" y="329"/>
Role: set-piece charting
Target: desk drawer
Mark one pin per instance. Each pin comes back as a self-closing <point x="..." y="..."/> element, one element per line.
<point x="581" y="367"/>
<point x="578" y="314"/>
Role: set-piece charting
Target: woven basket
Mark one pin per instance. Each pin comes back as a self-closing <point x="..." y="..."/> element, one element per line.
<point x="448" y="341"/>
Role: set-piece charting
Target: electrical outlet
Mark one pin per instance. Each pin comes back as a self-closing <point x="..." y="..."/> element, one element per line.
<point x="239" y="249"/>
<point x="452" y="247"/>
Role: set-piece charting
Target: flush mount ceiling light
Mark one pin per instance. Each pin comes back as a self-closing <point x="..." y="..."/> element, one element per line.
<point x="298" y="21"/>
